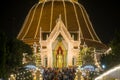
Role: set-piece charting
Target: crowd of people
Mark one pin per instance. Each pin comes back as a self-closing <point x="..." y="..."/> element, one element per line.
<point x="59" y="73"/>
<point x="65" y="73"/>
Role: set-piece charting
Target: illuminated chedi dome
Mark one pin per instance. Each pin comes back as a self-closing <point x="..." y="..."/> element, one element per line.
<point x="45" y="14"/>
<point x="58" y="28"/>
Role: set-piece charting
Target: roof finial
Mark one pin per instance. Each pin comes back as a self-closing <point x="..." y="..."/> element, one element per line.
<point x="59" y="16"/>
<point x="85" y="45"/>
<point x="59" y="19"/>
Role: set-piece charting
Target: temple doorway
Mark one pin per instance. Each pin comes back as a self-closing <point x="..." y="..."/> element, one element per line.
<point x="59" y="53"/>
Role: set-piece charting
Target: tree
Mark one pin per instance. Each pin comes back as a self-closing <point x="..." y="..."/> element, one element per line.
<point x="11" y="53"/>
<point x="87" y="55"/>
<point x="113" y="58"/>
<point x="115" y="44"/>
<point x="3" y="53"/>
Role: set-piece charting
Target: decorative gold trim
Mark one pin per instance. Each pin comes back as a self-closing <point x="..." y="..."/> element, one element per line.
<point x="51" y="15"/>
<point x="92" y="28"/>
<point x="26" y="19"/>
<point x="38" y="25"/>
<point x="30" y="21"/>
<point x="86" y="22"/>
<point x="82" y="8"/>
<point x="77" y="19"/>
<point x="65" y="13"/>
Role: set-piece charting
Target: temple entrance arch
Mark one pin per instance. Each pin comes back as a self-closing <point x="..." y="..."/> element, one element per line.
<point x="59" y="52"/>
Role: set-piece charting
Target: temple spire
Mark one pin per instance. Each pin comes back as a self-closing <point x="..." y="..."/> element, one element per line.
<point x="59" y="16"/>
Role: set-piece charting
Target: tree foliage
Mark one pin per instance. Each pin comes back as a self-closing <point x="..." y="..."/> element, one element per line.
<point x="3" y="53"/>
<point x="11" y="53"/>
<point x="113" y="58"/>
<point x="87" y="55"/>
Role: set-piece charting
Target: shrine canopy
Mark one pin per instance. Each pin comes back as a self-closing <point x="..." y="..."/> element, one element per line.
<point x="89" y="67"/>
<point x="30" y="66"/>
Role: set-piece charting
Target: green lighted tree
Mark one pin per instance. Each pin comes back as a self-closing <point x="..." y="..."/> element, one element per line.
<point x="88" y="56"/>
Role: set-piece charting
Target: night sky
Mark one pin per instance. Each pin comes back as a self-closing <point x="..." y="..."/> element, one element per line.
<point x="104" y="16"/>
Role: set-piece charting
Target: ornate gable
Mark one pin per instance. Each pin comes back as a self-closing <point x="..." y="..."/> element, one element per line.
<point x="60" y="29"/>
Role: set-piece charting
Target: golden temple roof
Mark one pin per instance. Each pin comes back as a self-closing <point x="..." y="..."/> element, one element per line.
<point x="45" y="13"/>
